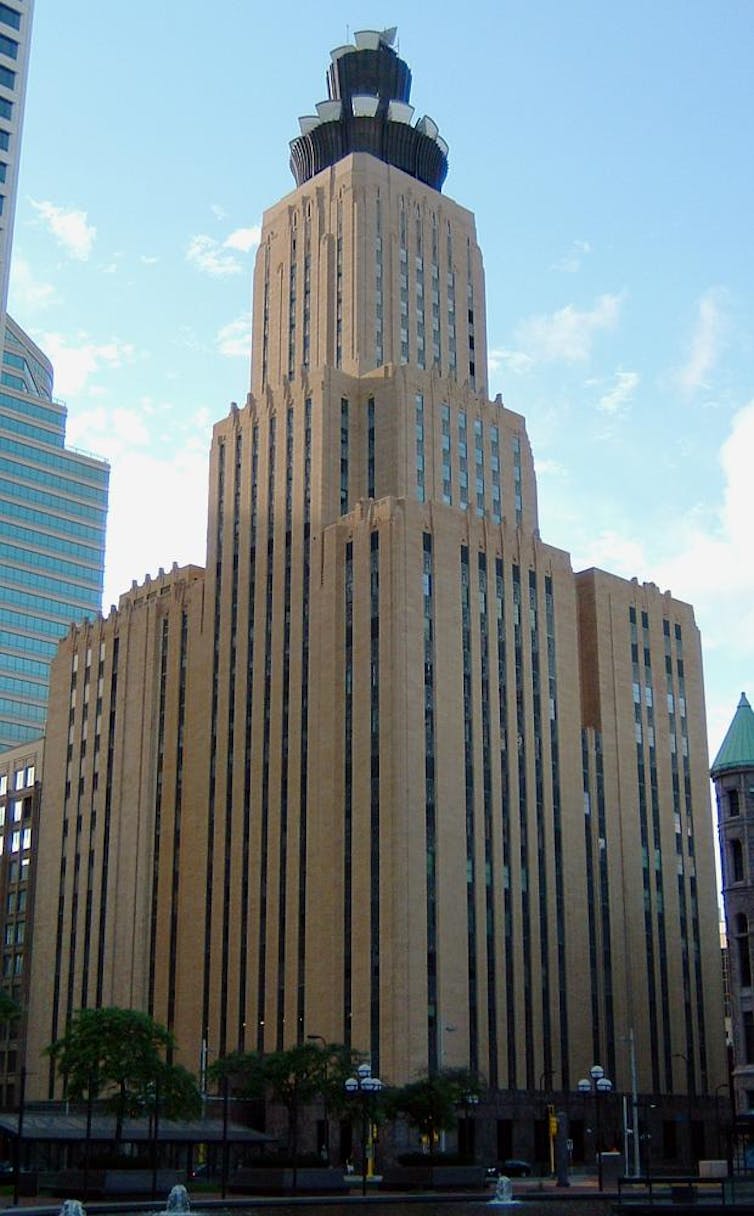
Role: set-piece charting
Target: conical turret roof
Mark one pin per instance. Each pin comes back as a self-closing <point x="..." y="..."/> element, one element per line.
<point x="737" y="749"/>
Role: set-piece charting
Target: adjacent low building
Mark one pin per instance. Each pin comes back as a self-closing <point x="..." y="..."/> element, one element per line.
<point x="733" y="775"/>
<point x="20" y="794"/>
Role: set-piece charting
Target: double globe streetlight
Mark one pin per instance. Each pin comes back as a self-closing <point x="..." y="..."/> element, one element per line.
<point x="598" y="1084"/>
<point x="364" y="1087"/>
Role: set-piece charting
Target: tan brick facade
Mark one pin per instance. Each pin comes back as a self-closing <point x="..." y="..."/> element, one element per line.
<point x="374" y="775"/>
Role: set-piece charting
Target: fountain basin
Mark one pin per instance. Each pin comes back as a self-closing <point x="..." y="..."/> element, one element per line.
<point x="103" y="1184"/>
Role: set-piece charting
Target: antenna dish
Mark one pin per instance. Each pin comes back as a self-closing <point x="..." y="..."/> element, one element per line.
<point x="307" y="123"/>
<point x="387" y="37"/>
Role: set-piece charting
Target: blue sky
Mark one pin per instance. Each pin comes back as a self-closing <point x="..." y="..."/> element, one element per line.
<point x="605" y="150"/>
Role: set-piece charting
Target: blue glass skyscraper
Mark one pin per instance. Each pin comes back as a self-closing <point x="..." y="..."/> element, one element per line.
<point x="53" y="509"/>
<point x="53" y="501"/>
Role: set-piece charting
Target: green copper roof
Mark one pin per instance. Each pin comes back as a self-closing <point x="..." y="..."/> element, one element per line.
<point x="737" y="750"/>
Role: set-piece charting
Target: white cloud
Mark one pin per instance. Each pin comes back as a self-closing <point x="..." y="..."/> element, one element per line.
<point x="234" y="339"/>
<point x="610" y="550"/>
<point x="158" y="515"/>
<point x="112" y="430"/>
<point x="514" y="360"/>
<point x="27" y="294"/>
<point x="208" y="255"/>
<point x="217" y="258"/>
<point x="706" y="342"/>
<point x="148" y="261"/>
<point x="243" y="239"/>
<point x="571" y="262"/>
<point x="158" y="485"/>
<point x="566" y="335"/>
<point x="218" y="211"/>
<point x="613" y="401"/>
<point x="701" y="557"/>
<point x="546" y="467"/>
<point x="70" y="228"/>
<point x="75" y="361"/>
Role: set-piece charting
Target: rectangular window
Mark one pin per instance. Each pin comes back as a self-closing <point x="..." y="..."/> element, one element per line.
<point x="343" y="455"/>
<point x="749" y="1036"/>
<point x="6" y="108"/>
<point x="9" y="16"/>
<point x="7" y="78"/>
<point x="463" y="477"/>
<point x="8" y="46"/>
<point x="420" y="485"/>
<point x="5" y="142"/>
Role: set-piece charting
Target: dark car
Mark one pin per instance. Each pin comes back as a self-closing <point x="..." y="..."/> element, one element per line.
<point x="513" y="1168"/>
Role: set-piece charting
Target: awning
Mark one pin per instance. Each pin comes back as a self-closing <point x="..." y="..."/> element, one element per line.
<point x="59" y="1126"/>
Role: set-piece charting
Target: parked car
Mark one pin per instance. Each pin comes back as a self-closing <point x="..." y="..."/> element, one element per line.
<point x="511" y="1168"/>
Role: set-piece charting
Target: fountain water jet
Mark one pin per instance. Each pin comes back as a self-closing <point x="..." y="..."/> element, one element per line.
<point x="178" y="1200"/>
<point x="72" y="1207"/>
<point x="503" y="1196"/>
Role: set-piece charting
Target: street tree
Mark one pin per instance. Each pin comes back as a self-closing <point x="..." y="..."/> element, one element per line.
<point x="430" y="1103"/>
<point x="120" y="1056"/>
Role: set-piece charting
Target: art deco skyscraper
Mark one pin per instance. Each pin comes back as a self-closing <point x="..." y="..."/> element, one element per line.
<point x="387" y="772"/>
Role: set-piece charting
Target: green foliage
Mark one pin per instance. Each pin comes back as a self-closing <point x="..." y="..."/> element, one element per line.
<point x="431" y="1102"/>
<point x="117" y="1055"/>
<point x="292" y="1077"/>
<point x="340" y="1063"/>
<point x="179" y="1096"/>
<point x="244" y="1072"/>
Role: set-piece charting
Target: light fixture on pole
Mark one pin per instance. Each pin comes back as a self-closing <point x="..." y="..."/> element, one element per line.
<point x="364" y="1087"/>
<point x="598" y="1084"/>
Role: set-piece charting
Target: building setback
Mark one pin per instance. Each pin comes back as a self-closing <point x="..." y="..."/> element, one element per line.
<point x="388" y="771"/>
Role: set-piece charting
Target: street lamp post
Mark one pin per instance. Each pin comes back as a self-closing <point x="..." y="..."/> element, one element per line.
<point x="469" y="1102"/>
<point x="364" y="1086"/>
<point x="552" y="1122"/>
<point x="598" y="1084"/>
<point x="722" y="1085"/>
<point x="319" y="1038"/>
<point x="678" y="1055"/>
